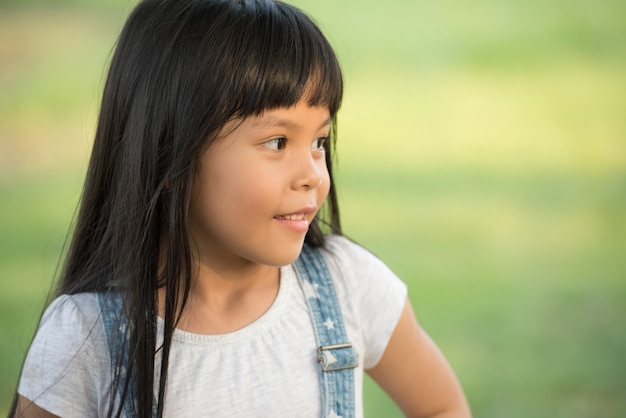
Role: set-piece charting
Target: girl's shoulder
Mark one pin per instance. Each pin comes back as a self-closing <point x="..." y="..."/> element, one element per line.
<point x="71" y="310"/>
<point x="342" y="248"/>
<point x="69" y="324"/>
<point x="67" y="358"/>
<point x="348" y="258"/>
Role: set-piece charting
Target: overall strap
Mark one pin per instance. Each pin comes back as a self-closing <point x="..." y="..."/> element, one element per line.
<point x="336" y="356"/>
<point x="115" y="328"/>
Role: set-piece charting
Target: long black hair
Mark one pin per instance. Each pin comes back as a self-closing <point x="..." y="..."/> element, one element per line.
<point x="180" y="71"/>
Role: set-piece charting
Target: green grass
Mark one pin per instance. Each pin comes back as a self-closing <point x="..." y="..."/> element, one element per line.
<point x="521" y="282"/>
<point x="482" y="155"/>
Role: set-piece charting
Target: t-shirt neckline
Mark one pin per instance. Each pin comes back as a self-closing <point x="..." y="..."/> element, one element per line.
<point x="286" y="283"/>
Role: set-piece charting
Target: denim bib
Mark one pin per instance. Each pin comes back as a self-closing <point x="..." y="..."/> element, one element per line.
<point x="335" y="355"/>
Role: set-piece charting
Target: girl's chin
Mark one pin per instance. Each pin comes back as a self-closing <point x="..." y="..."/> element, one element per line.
<point x="284" y="255"/>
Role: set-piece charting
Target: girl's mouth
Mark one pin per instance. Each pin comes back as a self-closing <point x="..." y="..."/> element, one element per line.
<point x="291" y="217"/>
<point x="296" y="222"/>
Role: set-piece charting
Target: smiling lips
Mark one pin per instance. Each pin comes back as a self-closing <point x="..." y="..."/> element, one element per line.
<point x="295" y="221"/>
<point x="292" y="217"/>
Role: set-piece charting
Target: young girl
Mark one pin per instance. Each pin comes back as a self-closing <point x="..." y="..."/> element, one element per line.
<point x="207" y="253"/>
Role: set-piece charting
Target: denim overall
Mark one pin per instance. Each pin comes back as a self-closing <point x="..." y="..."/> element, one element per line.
<point x="335" y="355"/>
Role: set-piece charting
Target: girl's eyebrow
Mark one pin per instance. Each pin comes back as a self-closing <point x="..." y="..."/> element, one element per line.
<point x="282" y="122"/>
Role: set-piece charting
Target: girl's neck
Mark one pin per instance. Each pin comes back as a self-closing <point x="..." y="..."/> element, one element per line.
<point x="223" y="301"/>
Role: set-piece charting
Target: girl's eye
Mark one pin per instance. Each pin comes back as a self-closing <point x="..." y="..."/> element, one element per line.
<point x="318" y="144"/>
<point x="276" y="144"/>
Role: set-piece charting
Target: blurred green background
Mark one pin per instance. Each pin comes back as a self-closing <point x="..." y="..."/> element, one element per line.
<point x="482" y="155"/>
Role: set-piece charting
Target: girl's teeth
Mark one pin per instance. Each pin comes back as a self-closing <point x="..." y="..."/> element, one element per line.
<point x="297" y="217"/>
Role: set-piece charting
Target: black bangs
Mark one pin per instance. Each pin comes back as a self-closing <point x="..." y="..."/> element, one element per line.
<point x="273" y="55"/>
<point x="209" y="61"/>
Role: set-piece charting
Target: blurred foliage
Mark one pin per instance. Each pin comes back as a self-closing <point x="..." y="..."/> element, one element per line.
<point x="482" y="155"/>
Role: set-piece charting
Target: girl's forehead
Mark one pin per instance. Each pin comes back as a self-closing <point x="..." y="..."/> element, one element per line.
<point x="301" y="115"/>
<point x="289" y="116"/>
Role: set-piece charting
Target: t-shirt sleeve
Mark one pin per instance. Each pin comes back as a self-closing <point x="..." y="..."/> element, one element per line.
<point x="61" y="371"/>
<point x="372" y="291"/>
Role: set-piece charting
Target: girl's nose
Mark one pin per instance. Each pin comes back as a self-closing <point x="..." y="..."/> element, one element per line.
<point x="309" y="172"/>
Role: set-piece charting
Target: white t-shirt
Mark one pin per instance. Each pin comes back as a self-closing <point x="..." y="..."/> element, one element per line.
<point x="266" y="369"/>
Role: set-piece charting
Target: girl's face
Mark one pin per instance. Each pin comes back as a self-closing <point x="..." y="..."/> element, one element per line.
<point x="259" y="187"/>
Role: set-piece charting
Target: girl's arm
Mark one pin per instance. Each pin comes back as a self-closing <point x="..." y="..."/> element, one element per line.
<point x="415" y="374"/>
<point x="27" y="409"/>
